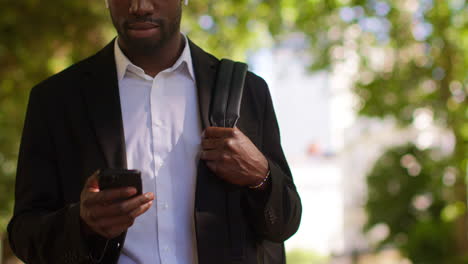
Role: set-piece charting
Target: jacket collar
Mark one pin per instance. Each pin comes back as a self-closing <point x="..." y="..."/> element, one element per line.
<point x="123" y="64"/>
<point x="102" y="99"/>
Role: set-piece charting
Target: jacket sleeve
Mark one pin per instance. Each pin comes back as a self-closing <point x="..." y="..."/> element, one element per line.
<point x="43" y="229"/>
<point x="276" y="211"/>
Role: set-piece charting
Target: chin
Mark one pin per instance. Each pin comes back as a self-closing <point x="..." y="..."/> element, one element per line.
<point x="144" y="45"/>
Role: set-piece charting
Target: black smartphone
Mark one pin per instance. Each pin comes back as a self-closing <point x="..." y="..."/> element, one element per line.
<point x="117" y="178"/>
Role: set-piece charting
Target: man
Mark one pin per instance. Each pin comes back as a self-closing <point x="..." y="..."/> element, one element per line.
<point x="211" y="195"/>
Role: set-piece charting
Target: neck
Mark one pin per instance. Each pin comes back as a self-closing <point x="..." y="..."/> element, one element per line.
<point x="159" y="58"/>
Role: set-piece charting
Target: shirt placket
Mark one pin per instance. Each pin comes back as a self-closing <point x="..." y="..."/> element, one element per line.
<point x="162" y="184"/>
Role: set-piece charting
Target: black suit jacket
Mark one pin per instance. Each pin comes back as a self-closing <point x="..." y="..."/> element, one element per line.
<point x="74" y="126"/>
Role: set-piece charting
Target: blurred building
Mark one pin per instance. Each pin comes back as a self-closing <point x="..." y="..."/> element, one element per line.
<point x="303" y="107"/>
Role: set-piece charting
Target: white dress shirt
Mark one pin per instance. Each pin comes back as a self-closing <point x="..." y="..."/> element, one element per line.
<point x="162" y="138"/>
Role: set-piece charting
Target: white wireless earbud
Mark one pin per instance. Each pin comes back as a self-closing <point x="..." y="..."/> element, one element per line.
<point x="107" y="3"/>
<point x="186" y="2"/>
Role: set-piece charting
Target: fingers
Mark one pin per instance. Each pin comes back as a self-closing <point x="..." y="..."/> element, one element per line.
<point x="141" y="209"/>
<point x="220" y="132"/>
<point x="130" y="205"/>
<point x="210" y="155"/>
<point x="219" y="143"/>
<point x="124" y="219"/>
<point x="110" y="212"/>
<point x="113" y="219"/>
<point x="212" y="143"/>
<point x="125" y="207"/>
<point x="111" y="227"/>
<point x="111" y="195"/>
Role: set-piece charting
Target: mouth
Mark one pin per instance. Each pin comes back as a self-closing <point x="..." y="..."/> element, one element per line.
<point x="142" y="29"/>
<point x="142" y="26"/>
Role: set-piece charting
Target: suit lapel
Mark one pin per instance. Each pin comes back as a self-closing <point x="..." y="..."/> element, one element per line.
<point x="210" y="195"/>
<point x="103" y="104"/>
<point x="205" y="74"/>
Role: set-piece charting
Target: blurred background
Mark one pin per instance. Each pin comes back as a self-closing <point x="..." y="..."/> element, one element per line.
<point x="370" y="97"/>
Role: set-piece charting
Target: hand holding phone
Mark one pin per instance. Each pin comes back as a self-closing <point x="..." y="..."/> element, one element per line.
<point x="110" y="209"/>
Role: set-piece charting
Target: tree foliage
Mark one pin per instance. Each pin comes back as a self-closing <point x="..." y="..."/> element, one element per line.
<point x="37" y="38"/>
<point x="409" y="193"/>
<point x="412" y="57"/>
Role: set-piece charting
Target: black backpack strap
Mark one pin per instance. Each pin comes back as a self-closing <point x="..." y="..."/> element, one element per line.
<point x="227" y="94"/>
<point x="235" y="94"/>
<point x="224" y="112"/>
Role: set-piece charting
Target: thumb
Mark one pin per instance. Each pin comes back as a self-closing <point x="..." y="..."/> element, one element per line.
<point x="92" y="183"/>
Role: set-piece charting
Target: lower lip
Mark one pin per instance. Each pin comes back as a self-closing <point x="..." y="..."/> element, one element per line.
<point x="143" y="33"/>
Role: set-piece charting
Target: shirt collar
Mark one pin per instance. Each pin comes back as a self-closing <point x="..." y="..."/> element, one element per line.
<point x="123" y="63"/>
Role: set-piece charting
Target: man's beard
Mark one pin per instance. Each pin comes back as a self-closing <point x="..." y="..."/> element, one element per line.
<point x="150" y="45"/>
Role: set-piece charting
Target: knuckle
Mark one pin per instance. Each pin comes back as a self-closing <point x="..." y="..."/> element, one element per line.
<point x="127" y="225"/>
<point x="121" y="208"/>
<point x="235" y="133"/>
<point x="225" y="157"/>
<point x="143" y="200"/>
<point x="124" y="192"/>
<point x="229" y="143"/>
<point x="131" y="217"/>
<point x="131" y="220"/>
